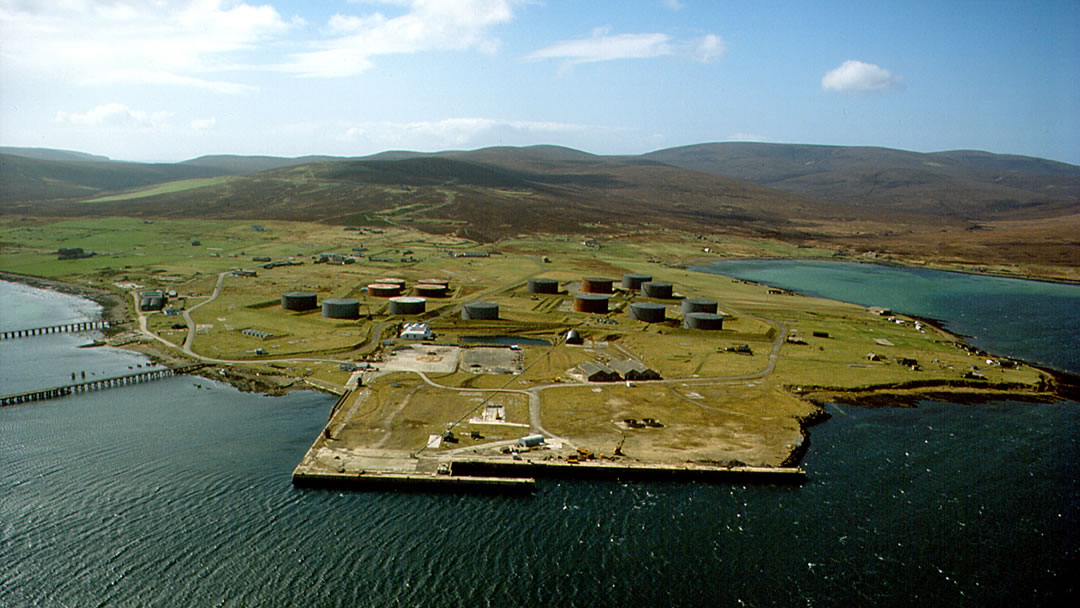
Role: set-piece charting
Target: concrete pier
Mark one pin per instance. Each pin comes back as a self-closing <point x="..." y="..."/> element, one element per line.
<point x="54" y="329"/>
<point x="95" y="385"/>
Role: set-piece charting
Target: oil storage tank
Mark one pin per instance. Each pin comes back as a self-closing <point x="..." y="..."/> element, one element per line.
<point x="590" y="302"/>
<point x="596" y="285"/>
<point x="434" y="281"/>
<point x="543" y="286"/>
<point x="341" y="308"/>
<point x="384" y="290"/>
<point x="407" y="305"/>
<point x="703" y="320"/>
<point x="633" y="281"/>
<point x="690" y="305"/>
<point x="656" y="289"/>
<point x="299" y="300"/>
<point x="649" y="312"/>
<point x="430" y="290"/>
<point x="392" y="281"/>
<point x="480" y="311"/>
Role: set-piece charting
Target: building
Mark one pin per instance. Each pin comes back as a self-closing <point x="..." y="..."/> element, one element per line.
<point x="416" y="331"/>
<point x="634" y="370"/>
<point x="597" y="372"/>
<point x="153" y="299"/>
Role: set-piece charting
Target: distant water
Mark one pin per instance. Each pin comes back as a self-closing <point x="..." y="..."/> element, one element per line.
<point x="1035" y="321"/>
<point x="177" y="493"/>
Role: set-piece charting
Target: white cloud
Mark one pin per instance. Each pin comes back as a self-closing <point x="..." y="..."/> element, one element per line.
<point x="857" y="77"/>
<point x="602" y="46"/>
<point x="674" y="5"/>
<point x="114" y="115"/>
<point x="135" y="41"/>
<point x="203" y="124"/>
<point x="427" y="25"/>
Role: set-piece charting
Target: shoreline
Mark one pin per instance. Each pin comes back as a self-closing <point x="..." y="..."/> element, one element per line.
<point x="1064" y="385"/>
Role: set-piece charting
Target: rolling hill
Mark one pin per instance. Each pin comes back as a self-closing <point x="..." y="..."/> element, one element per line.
<point x="959" y="205"/>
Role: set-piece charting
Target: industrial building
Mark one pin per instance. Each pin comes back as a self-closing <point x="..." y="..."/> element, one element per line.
<point x="597" y="372"/>
<point x="649" y="312"/>
<point x="153" y="299"/>
<point x="633" y="281"/>
<point x="480" y="311"/>
<point x="299" y="300"/>
<point x="341" y="308"/>
<point x="630" y="369"/>
<point x="416" y="331"/>
<point x="656" y="289"/>
<point x="543" y="286"/>
<point x="407" y="305"/>
<point x="597" y="285"/>
<point x="593" y="303"/>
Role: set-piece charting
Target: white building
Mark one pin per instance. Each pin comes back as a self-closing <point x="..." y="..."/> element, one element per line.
<point x="416" y="331"/>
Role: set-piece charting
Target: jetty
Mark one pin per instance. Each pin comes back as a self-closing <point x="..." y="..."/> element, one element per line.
<point x="54" y="329"/>
<point x="95" y="385"/>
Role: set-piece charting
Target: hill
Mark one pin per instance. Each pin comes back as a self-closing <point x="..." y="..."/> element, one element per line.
<point x="968" y="184"/>
<point x="50" y="154"/>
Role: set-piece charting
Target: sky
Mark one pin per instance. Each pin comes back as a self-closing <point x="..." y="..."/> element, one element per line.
<point x="167" y="80"/>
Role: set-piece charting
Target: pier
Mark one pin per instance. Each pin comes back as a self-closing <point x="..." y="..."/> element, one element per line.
<point x="96" y="385"/>
<point x="54" y="329"/>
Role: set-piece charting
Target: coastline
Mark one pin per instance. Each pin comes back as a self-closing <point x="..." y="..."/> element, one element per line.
<point x="1065" y="386"/>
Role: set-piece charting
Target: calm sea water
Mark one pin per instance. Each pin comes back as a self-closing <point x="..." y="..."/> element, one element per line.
<point x="177" y="493"/>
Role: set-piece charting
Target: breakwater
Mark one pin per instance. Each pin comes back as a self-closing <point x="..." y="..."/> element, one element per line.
<point x="95" y="385"/>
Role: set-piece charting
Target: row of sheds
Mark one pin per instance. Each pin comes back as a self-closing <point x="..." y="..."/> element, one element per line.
<point x="615" y="370"/>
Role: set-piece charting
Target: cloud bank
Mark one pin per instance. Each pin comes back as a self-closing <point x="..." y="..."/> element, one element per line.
<point x="603" y="46"/>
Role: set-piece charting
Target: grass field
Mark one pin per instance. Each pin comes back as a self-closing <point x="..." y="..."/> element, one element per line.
<point x="166" y="188"/>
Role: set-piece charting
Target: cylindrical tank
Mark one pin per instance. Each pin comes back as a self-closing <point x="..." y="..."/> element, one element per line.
<point x="480" y="311"/>
<point x="596" y="285"/>
<point x="341" y="308"/>
<point x="392" y="281"/>
<point x="656" y="289"/>
<point x="590" y="302"/>
<point x="407" y="305"/>
<point x="690" y="305"/>
<point x="703" y="320"/>
<point x="384" y="290"/>
<point x="299" y="300"/>
<point x="543" y="286"/>
<point x="649" y="312"/>
<point x="633" y="281"/>
<point x="434" y="281"/>
<point x="430" y="290"/>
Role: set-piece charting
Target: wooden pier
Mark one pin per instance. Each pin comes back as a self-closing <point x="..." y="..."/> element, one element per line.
<point x="96" y="385"/>
<point x="54" y="329"/>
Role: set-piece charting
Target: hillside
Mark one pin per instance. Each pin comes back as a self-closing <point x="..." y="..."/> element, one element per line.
<point x="964" y="184"/>
<point x="957" y="207"/>
<point x="50" y="154"/>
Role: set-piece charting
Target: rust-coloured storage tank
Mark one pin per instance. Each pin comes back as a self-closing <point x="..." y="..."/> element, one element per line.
<point x="392" y="281"/>
<point x="430" y="290"/>
<point x="384" y="290"/>
<point x="543" y="286"/>
<point x="656" y="289"/>
<point x="649" y="312"/>
<point x="434" y="281"/>
<point x="590" y="302"/>
<point x="596" y="285"/>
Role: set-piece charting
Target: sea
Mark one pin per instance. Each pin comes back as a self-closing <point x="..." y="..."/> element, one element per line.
<point x="178" y="493"/>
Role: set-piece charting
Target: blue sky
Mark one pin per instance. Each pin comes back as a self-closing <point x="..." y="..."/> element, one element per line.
<point x="175" y="79"/>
